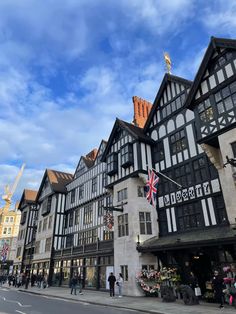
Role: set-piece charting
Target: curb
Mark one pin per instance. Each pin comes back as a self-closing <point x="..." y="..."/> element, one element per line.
<point x="91" y="302"/>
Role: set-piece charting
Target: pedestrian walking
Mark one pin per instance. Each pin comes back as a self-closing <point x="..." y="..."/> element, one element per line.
<point x="73" y="284"/>
<point x="119" y="283"/>
<point x="218" y="287"/>
<point x="39" y="280"/>
<point x="27" y="280"/>
<point x="80" y="284"/>
<point x="112" y="280"/>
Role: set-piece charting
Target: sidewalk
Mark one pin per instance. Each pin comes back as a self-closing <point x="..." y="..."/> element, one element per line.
<point x="142" y="304"/>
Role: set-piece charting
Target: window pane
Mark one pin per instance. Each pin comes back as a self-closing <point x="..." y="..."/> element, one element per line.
<point x="141" y="216"/>
<point x="148" y="216"/>
<point x="234" y="98"/>
<point x="149" y="228"/>
<point x="220" y="107"/>
<point x="233" y="87"/>
<point x="228" y="103"/>
<point x="142" y="228"/>
<point x="217" y="97"/>
<point x="225" y="92"/>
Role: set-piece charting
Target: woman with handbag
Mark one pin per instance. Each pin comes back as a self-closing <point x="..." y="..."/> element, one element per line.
<point x="119" y="283"/>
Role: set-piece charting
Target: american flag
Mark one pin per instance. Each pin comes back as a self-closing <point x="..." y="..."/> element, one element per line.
<point x="4" y="252"/>
<point x="151" y="187"/>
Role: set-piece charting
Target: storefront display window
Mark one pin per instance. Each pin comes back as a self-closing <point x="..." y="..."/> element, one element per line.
<point x="91" y="277"/>
<point x="66" y="270"/>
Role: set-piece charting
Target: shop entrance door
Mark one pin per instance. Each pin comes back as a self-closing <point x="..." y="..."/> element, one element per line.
<point x="200" y="265"/>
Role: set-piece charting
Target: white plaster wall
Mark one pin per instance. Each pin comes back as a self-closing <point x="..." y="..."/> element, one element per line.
<point x="228" y="183"/>
<point x="125" y="252"/>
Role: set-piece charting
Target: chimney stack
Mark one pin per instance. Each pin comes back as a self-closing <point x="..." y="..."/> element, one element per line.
<point x="142" y="109"/>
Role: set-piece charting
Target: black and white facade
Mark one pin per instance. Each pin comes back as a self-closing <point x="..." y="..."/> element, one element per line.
<point x="27" y="231"/>
<point x="213" y="99"/>
<point x="189" y="132"/>
<point x="87" y="245"/>
<point x="193" y="220"/>
<point x="50" y="200"/>
<point x="177" y="155"/>
<point x="128" y="157"/>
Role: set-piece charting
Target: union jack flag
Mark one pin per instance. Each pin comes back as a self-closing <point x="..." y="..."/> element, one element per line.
<point x="4" y="252"/>
<point x="151" y="187"/>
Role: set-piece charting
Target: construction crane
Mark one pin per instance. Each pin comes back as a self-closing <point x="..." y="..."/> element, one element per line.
<point x="7" y="197"/>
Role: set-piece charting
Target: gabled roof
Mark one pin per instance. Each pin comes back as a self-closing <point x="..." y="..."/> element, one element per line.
<point x="212" y="47"/>
<point x="82" y="158"/>
<point x="57" y="179"/>
<point x="101" y="150"/>
<point x="167" y="78"/>
<point x="29" y="196"/>
<point x="88" y="160"/>
<point x="133" y="130"/>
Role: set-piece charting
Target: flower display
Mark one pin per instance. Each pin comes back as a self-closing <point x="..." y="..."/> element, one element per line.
<point x="226" y="269"/>
<point x="150" y="281"/>
<point x="228" y="280"/>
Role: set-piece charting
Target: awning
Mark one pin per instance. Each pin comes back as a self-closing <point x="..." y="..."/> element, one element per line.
<point x="212" y="236"/>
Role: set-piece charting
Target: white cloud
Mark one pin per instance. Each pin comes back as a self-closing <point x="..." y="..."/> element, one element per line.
<point x="69" y="68"/>
<point x="160" y="16"/>
<point x="188" y="67"/>
<point x="220" y="17"/>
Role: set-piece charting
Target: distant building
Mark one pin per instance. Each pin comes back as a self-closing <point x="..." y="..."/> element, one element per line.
<point x="27" y="231"/>
<point x="51" y="205"/>
<point x="86" y="247"/>
<point x="9" y="227"/>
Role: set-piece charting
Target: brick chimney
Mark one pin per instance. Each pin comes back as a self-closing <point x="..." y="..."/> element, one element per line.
<point x="142" y="109"/>
<point x="92" y="155"/>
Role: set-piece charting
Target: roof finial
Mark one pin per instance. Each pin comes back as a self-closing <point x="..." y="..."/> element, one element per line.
<point x="168" y="62"/>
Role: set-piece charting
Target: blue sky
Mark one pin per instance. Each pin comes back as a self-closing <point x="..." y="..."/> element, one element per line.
<point x="69" y="68"/>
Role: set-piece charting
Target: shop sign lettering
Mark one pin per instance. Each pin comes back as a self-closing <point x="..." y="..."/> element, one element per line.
<point x="193" y="192"/>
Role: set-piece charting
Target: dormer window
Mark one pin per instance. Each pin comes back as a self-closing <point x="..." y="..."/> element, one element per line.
<point x="127" y="155"/>
<point x="112" y="164"/>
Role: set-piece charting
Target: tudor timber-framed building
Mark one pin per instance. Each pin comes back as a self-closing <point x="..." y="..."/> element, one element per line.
<point x="128" y="157"/>
<point x="51" y="205"/>
<point x="87" y="246"/>
<point x="27" y="231"/>
<point x="195" y="231"/>
<point x="189" y="132"/>
<point x="213" y="99"/>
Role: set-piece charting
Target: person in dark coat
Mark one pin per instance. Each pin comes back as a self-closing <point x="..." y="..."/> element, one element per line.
<point x="73" y="283"/>
<point x="27" y="280"/>
<point x="192" y="281"/>
<point x="80" y="284"/>
<point x="112" y="280"/>
<point x="218" y="286"/>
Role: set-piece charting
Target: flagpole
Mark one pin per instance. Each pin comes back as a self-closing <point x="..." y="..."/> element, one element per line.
<point x="163" y="175"/>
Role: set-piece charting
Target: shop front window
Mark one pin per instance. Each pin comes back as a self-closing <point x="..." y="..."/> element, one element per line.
<point x="91" y="277"/>
<point x="66" y="269"/>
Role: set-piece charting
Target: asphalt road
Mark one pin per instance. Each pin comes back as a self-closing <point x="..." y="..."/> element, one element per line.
<point x="13" y="302"/>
